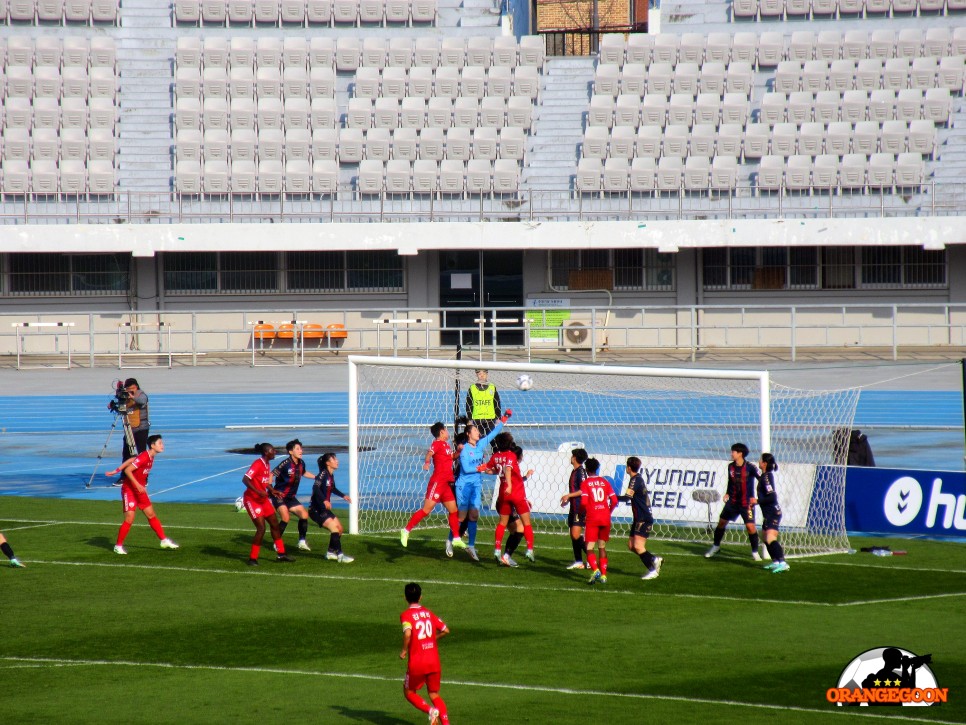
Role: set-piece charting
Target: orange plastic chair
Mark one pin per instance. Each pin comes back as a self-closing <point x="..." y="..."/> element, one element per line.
<point x="312" y="331"/>
<point x="264" y="331"/>
<point x="336" y="331"/>
<point x="286" y="331"/>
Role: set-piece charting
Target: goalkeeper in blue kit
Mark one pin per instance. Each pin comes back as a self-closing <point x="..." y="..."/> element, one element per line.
<point x="469" y="482"/>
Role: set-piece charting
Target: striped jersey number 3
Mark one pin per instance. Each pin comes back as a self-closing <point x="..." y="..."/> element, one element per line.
<point x="424" y="629"/>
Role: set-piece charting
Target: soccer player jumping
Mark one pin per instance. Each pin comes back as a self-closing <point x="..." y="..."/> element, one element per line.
<point x="421" y="630"/>
<point x="440" y="488"/>
<point x="512" y="496"/>
<point x="469" y="484"/>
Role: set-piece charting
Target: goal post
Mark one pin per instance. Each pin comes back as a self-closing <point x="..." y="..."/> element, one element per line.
<point x="680" y="422"/>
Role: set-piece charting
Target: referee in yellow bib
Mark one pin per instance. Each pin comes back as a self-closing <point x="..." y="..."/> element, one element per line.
<point x="483" y="403"/>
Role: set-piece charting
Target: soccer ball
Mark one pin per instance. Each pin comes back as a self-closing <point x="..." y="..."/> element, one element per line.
<point x="524" y="382"/>
<point x="239" y="504"/>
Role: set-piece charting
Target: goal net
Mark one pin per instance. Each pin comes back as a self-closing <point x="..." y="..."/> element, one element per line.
<point x="680" y="423"/>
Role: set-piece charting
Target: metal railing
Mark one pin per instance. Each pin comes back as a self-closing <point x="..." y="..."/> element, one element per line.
<point x="745" y="201"/>
<point x="781" y="331"/>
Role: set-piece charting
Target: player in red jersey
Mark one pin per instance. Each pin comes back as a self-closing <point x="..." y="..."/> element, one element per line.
<point x="421" y="630"/>
<point x="258" y="503"/>
<point x="512" y="495"/>
<point x="134" y="495"/>
<point x="598" y="499"/>
<point x="440" y="488"/>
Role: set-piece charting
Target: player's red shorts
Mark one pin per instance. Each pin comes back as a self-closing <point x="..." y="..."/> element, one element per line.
<point x="415" y="681"/>
<point x="440" y="491"/>
<point x="596" y="531"/>
<point x="258" y="508"/>
<point x="506" y="506"/>
<point x="132" y="499"/>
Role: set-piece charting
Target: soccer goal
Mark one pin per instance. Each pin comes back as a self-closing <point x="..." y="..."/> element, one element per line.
<point x="680" y="423"/>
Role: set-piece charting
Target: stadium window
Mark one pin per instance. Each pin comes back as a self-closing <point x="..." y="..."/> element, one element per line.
<point x="374" y="271"/>
<point x="838" y="268"/>
<point x="903" y="267"/>
<point x="315" y="271"/>
<point x="78" y="274"/>
<point x="249" y="272"/>
<point x="803" y="267"/>
<point x="190" y="271"/>
<point x="638" y="270"/>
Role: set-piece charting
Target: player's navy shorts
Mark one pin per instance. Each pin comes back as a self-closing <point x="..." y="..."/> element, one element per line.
<point x="771" y="516"/>
<point x="731" y="511"/>
<point x="288" y="502"/>
<point x="576" y="517"/>
<point x="320" y="517"/>
<point x="642" y="528"/>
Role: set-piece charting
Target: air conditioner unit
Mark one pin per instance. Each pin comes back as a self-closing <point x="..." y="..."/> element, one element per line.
<point x="578" y="336"/>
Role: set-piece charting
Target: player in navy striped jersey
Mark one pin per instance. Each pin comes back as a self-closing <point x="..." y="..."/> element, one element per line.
<point x="575" y="517"/>
<point x="288" y="474"/>
<point x="771" y="513"/>
<point x="739" y="500"/>
<point x="640" y="501"/>
<point x="320" y="509"/>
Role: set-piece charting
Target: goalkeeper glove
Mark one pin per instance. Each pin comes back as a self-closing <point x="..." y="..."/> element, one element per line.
<point x="506" y="416"/>
<point x="481" y="468"/>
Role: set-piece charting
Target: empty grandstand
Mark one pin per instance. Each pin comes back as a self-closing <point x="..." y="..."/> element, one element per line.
<point x="460" y="157"/>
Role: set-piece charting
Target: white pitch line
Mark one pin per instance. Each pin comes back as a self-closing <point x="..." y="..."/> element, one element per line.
<point x="197" y="480"/>
<point x="579" y="584"/>
<point x="923" y="597"/>
<point x="33" y="526"/>
<point x="830" y="711"/>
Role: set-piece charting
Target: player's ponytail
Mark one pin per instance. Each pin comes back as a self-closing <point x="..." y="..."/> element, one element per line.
<point x="769" y="460"/>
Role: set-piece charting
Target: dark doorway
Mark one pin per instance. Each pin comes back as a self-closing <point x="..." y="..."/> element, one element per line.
<point x="476" y="282"/>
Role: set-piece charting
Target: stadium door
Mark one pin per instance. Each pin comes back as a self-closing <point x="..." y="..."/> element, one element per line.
<point x="472" y="285"/>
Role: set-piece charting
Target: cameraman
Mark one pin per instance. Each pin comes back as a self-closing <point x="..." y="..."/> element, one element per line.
<point x="136" y="416"/>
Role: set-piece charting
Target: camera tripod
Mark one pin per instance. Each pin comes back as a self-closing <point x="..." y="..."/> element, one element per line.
<point x="128" y="438"/>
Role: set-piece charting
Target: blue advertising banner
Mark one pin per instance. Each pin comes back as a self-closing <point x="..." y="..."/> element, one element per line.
<point x="898" y="501"/>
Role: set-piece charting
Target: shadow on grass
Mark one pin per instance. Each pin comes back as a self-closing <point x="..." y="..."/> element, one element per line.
<point x="380" y="718"/>
<point x="101" y="542"/>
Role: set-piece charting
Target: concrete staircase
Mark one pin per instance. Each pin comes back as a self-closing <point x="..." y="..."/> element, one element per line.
<point x="145" y="58"/>
<point x="559" y="124"/>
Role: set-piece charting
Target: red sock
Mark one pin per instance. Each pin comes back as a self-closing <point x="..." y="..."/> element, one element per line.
<point x="279" y="547"/>
<point x="603" y="565"/>
<point x="415" y="519"/>
<point x="454" y="524"/>
<point x="498" y="538"/>
<point x="528" y="535"/>
<point x="255" y="549"/>
<point x="441" y="706"/>
<point x="156" y="525"/>
<point x="591" y="559"/>
<point x="417" y="702"/>
<point x="122" y="533"/>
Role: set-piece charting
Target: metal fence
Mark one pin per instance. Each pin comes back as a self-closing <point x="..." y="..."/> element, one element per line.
<point x="300" y="336"/>
<point x="744" y="202"/>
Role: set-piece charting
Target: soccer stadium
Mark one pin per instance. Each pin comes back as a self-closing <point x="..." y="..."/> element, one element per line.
<point x="658" y="241"/>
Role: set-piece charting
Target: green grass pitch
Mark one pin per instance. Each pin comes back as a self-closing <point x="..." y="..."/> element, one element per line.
<point x="196" y="636"/>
